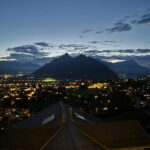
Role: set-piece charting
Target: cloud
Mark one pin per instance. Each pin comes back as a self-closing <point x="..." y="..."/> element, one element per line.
<point x="106" y="42"/>
<point x="92" y="52"/>
<point x="119" y="27"/>
<point x="126" y="51"/>
<point x="20" y="57"/>
<point x="75" y="47"/>
<point x="87" y="30"/>
<point x="126" y="17"/>
<point x="118" y="53"/>
<point x="95" y="42"/>
<point x="42" y="44"/>
<point x="144" y="19"/>
<point x="24" y="49"/>
<point x="40" y="54"/>
<point x="125" y="23"/>
<point x="27" y="49"/>
<point x="97" y="52"/>
<point x="143" y="50"/>
<point x="81" y="36"/>
<point x="148" y="9"/>
<point x="26" y="53"/>
<point x="99" y="32"/>
<point x="28" y="58"/>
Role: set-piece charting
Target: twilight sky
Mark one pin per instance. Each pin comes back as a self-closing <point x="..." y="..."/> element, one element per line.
<point x="109" y="27"/>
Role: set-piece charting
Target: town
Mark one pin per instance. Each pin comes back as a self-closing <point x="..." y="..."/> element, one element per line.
<point x="124" y="99"/>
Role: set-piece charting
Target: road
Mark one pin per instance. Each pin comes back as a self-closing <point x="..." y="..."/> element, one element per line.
<point x="70" y="138"/>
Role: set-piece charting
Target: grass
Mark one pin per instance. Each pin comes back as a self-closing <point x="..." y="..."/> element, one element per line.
<point x="132" y="115"/>
<point x="26" y="139"/>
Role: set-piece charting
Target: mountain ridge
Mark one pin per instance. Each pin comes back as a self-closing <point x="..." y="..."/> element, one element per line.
<point x="80" y="67"/>
<point x="14" y="67"/>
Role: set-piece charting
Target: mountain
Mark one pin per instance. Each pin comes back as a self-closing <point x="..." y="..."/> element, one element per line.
<point x="81" y="67"/>
<point x="130" y="68"/>
<point x="14" y="67"/>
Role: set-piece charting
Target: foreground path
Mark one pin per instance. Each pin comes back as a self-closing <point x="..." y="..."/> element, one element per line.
<point x="71" y="139"/>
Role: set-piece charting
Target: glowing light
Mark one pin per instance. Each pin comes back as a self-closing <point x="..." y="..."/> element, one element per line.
<point x="108" y="101"/>
<point x="105" y="108"/>
<point x="72" y="86"/>
<point x="113" y="60"/>
<point x="96" y="96"/>
<point x="3" y="59"/>
<point x="49" y="80"/>
<point x="98" y="85"/>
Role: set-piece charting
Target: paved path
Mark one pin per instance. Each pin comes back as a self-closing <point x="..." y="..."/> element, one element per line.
<point x="70" y="139"/>
<point x="73" y="140"/>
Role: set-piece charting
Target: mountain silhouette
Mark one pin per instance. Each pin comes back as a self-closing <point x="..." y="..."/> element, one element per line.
<point x="81" y="67"/>
<point x="14" y="67"/>
<point x="129" y="67"/>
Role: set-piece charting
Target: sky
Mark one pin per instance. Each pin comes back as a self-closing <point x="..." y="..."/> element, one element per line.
<point x="100" y="27"/>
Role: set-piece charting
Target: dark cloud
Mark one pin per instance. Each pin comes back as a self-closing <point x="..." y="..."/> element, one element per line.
<point x="106" y="51"/>
<point x="124" y="24"/>
<point x="119" y="27"/>
<point x="126" y="17"/>
<point x="75" y="47"/>
<point x="126" y="51"/>
<point x="148" y="9"/>
<point x="106" y="42"/>
<point x="87" y="30"/>
<point x="26" y="53"/>
<point x="95" y="42"/>
<point x="29" y="58"/>
<point x="42" y="44"/>
<point x="27" y="49"/>
<point x="91" y="52"/>
<point x="144" y="19"/>
<point x="131" y="51"/>
<point x="98" y="52"/>
<point x="24" y="49"/>
<point x="143" y="51"/>
<point x="81" y="36"/>
<point x="99" y="32"/>
<point x="21" y="57"/>
<point x="118" y="53"/>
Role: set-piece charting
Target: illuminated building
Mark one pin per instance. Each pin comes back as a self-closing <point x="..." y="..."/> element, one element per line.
<point x="98" y="85"/>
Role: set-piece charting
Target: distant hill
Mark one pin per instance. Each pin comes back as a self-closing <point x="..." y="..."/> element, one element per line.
<point x="81" y="67"/>
<point x="14" y="67"/>
<point x="130" y="68"/>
